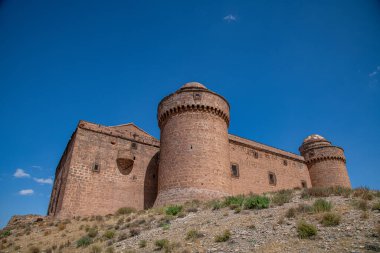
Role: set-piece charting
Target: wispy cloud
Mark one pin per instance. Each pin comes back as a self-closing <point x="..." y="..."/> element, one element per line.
<point x="373" y="78"/>
<point x="36" y="167"/>
<point x="43" y="180"/>
<point x="20" y="173"/>
<point x="26" y="192"/>
<point x="230" y="18"/>
<point x="375" y="72"/>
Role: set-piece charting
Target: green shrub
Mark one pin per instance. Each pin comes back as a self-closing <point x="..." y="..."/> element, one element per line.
<point x="281" y="197"/>
<point x="256" y="202"/>
<point x="331" y="219"/>
<point x="34" y="249"/>
<point x="321" y="205"/>
<point x="193" y="234"/>
<point x="162" y="244"/>
<point x="84" y="241"/>
<point x="233" y="201"/>
<point x="95" y="249"/>
<point x="225" y="236"/>
<point x="125" y="210"/>
<point x="215" y="204"/>
<point x="109" y="234"/>
<point x="92" y="232"/>
<point x="376" y="206"/>
<point x="5" y="233"/>
<point x="173" y="210"/>
<point x="291" y="213"/>
<point x="306" y="230"/>
<point x="142" y="243"/>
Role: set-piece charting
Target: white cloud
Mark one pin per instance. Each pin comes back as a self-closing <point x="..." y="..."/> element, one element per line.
<point x="44" y="180"/>
<point x="36" y="167"/>
<point x="26" y="192"/>
<point x="230" y="18"/>
<point x="375" y="72"/>
<point x="20" y="173"/>
<point x="373" y="78"/>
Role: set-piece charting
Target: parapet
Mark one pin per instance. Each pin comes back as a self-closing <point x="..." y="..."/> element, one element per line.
<point x="193" y="96"/>
<point x="316" y="148"/>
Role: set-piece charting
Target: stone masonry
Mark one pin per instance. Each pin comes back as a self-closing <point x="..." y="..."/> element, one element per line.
<point x="106" y="168"/>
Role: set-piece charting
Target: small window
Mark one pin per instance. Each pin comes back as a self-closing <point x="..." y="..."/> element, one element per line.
<point x="285" y="162"/>
<point x="304" y="184"/>
<point x="234" y="170"/>
<point x="197" y="96"/>
<point x="256" y="155"/>
<point x="134" y="145"/>
<point x="311" y="154"/>
<point x="272" y="178"/>
<point x="96" y="168"/>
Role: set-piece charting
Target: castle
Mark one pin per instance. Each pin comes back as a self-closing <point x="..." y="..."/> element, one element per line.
<point x="105" y="168"/>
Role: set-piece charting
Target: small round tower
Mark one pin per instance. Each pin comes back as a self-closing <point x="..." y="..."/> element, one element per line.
<point x="326" y="163"/>
<point x="194" y="150"/>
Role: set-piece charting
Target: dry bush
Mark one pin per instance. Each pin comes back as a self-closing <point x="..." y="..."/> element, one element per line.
<point x="125" y="210"/>
<point x="363" y="193"/>
<point x="330" y="219"/>
<point x="193" y="234"/>
<point x="61" y="226"/>
<point x="223" y="237"/>
<point x="306" y="230"/>
<point x="281" y="197"/>
<point x="291" y="213"/>
<point x="34" y="249"/>
<point x="321" y="205"/>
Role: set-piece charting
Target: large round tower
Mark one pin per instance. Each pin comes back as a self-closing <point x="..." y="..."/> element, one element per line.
<point x="194" y="150"/>
<point x="326" y="163"/>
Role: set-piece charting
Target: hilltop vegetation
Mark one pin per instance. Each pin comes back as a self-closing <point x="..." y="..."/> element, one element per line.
<point x="311" y="220"/>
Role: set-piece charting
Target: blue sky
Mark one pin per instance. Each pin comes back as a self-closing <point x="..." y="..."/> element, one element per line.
<point x="288" y="68"/>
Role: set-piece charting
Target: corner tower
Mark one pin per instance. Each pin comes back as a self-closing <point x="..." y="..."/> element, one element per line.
<point x="326" y="163"/>
<point x="194" y="155"/>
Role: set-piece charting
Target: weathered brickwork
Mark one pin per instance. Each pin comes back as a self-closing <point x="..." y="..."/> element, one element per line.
<point x="194" y="146"/>
<point x="98" y="182"/>
<point x="255" y="163"/>
<point x="327" y="163"/>
<point x="105" y="168"/>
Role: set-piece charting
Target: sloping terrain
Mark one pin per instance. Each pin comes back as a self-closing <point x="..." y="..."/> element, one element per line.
<point x="313" y="220"/>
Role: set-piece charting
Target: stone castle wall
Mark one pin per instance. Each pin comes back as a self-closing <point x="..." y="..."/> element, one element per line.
<point x="256" y="161"/>
<point x="194" y="156"/>
<point x="96" y="185"/>
<point x="106" y="168"/>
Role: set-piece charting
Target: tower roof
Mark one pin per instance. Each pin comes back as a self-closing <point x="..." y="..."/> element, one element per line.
<point x="193" y="85"/>
<point x="314" y="137"/>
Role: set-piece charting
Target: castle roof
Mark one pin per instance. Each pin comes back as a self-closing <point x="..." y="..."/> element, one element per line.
<point x="314" y="137"/>
<point x="193" y="85"/>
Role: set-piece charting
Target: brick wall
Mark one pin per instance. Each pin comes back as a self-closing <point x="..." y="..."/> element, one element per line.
<point x="255" y="162"/>
<point x="90" y="192"/>
<point x="194" y="156"/>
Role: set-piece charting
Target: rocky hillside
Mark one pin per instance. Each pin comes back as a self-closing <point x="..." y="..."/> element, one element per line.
<point x="313" y="220"/>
